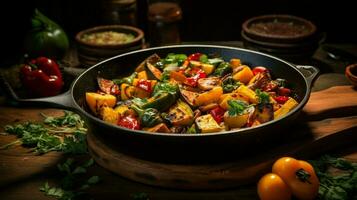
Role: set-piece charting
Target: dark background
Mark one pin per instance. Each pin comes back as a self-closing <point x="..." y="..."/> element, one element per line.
<point x="203" y="20"/>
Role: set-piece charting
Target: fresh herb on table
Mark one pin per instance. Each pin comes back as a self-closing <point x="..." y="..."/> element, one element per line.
<point x="339" y="185"/>
<point x="66" y="133"/>
<point x="71" y="187"/>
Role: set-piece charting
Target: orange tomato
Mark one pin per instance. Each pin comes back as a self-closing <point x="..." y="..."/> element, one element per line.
<point x="272" y="187"/>
<point x="299" y="176"/>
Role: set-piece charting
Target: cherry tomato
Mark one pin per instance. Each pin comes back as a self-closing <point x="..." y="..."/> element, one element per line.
<point x="281" y="99"/>
<point x="259" y="69"/>
<point x="272" y="187"/>
<point x="299" y="176"/>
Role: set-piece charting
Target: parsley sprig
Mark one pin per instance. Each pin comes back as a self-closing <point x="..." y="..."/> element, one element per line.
<point x="338" y="178"/>
<point x="66" y="133"/>
<point x="72" y="185"/>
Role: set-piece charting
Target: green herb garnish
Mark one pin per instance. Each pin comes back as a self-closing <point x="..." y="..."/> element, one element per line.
<point x="263" y="97"/>
<point x="341" y="185"/>
<point x="236" y="107"/>
<point x="72" y="185"/>
<point x="66" y="133"/>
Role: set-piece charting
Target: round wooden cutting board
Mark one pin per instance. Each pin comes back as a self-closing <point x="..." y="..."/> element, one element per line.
<point x="329" y="120"/>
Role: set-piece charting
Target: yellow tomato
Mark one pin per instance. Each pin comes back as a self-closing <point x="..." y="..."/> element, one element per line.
<point x="299" y="176"/>
<point x="272" y="187"/>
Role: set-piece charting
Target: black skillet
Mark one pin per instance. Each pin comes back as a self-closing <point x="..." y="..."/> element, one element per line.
<point x="182" y="146"/>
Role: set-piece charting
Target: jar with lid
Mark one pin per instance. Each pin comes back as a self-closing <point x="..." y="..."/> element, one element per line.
<point x="164" y="17"/>
<point x="121" y="12"/>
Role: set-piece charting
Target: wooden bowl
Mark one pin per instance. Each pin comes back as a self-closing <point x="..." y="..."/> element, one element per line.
<point x="351" y="74"/>
<point x="91" y="53"/>
<point x="286" y="36"/>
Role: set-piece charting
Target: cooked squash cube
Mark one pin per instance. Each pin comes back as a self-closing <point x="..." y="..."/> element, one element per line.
<point x="159" y="128"/>
<point x="207" y="124"/>
<point x="235" y="62"/>
<point x="208" y="97"/>
<point x="247" y="93"/>
<point x="244" y="75"/>
<point x="285" y="108"/>
<point x="95" y="101"/>
<point x="108" y="114"/>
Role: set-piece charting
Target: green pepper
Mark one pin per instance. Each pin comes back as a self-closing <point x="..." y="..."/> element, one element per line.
<point x="161" y="102"/>
<point x="46" y="38"/>
<point x="148" y="117"/>
<point x="129" y="79"/>
<point x="223" y="69"/>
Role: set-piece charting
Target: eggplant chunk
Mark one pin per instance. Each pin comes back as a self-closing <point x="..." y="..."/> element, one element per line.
<point x="151" y="59"/>
<point x="209" y="83"/>
<point x="180" y="114"/>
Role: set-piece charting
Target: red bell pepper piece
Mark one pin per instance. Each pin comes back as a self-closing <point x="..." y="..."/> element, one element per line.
<point x="194" y="56"/>
<point x="217" y="114"/>
<point x="42" y="77"/>
<point x="196" y="74"/>
<point x="259" y="69"/>
<point x="145" y="85"/>
<point x="281" y="99"/>
<point x="129" y="122"/>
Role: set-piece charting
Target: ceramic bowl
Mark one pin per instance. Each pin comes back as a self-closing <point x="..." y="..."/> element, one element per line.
<point x="92" y="53"/>
<point x="351" y="74"/>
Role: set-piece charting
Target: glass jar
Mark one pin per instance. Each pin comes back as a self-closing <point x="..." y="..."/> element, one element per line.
<point x="163" y="19"/>
<point x="121" y="12"/>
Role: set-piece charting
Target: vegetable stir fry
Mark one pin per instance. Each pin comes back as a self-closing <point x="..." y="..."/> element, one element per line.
<point x="197" y="93"/>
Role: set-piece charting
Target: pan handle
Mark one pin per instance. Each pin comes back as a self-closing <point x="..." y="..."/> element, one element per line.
<point x="62" y="101"/>
<point x="310" y="73"/>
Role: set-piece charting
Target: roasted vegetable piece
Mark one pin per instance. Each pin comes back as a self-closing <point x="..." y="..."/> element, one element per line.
<point x="159" y="128"/>
<point x="41" y="77"/>
<point x="264" y="112"/>
<point x="148" y="117"/>
<point x="259" y="69"/>
<point x="218" y="113"/>
<point x="247" y="93"/>
<point x="196" y="74"/>
<point x="165" y="88"/>
<point x="142" y="75"/>
<point x="180" y="114"/>
<point x="229" y="84"/>
<point x="222" y="69"/>
<point x="235" y="62"/>
<point x="208" y="97"/>
<point x="209" y="83"/>
<point x="244" y="75"/>
<point x="128" y="80"/>
<point x="95" y="101"/>
<point x="127" y="91"/>
<point x="129" y="122"/>
<point x="108" y="86"/>
<point x="238" y="114"/>
<point x="110" y="115"/>
<point x="144" y="84"/>
<point x="223" y="101"/>
<point x="152" y="71"/>
<point x="207" y="124"/>
<point x="189" y="96"/>
<point x="161" y="101"/>
<point x="153" y="59"/>
<point x="285" y="108"/>
<point x="206" y="67"/>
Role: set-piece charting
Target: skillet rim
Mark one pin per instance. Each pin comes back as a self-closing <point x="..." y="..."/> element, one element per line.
<point x="241" y="131"/>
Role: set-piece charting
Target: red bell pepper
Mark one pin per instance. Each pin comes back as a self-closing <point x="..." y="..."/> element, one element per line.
<point x="217" y="114"/>
<point x="194" y="56"/>
<point x="42" y="77"/>
<point x="281" y="99"/>
<point x="196" y="74"/>
<point x="259" y="69"/>
<point x="129" y="122"/>
<point x="145" y="85"/>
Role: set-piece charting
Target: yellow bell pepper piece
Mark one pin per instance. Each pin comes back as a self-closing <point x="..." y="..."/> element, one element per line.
<point x="285" y="108"/>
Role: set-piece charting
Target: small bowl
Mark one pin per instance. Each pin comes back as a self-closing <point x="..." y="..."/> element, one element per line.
<point x="92" y="53"/>
<point x="286" y="36"/>
<point x="351" y="74"/>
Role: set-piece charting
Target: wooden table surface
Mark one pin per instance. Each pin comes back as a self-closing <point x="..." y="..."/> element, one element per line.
<point x="22" y="172"/>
